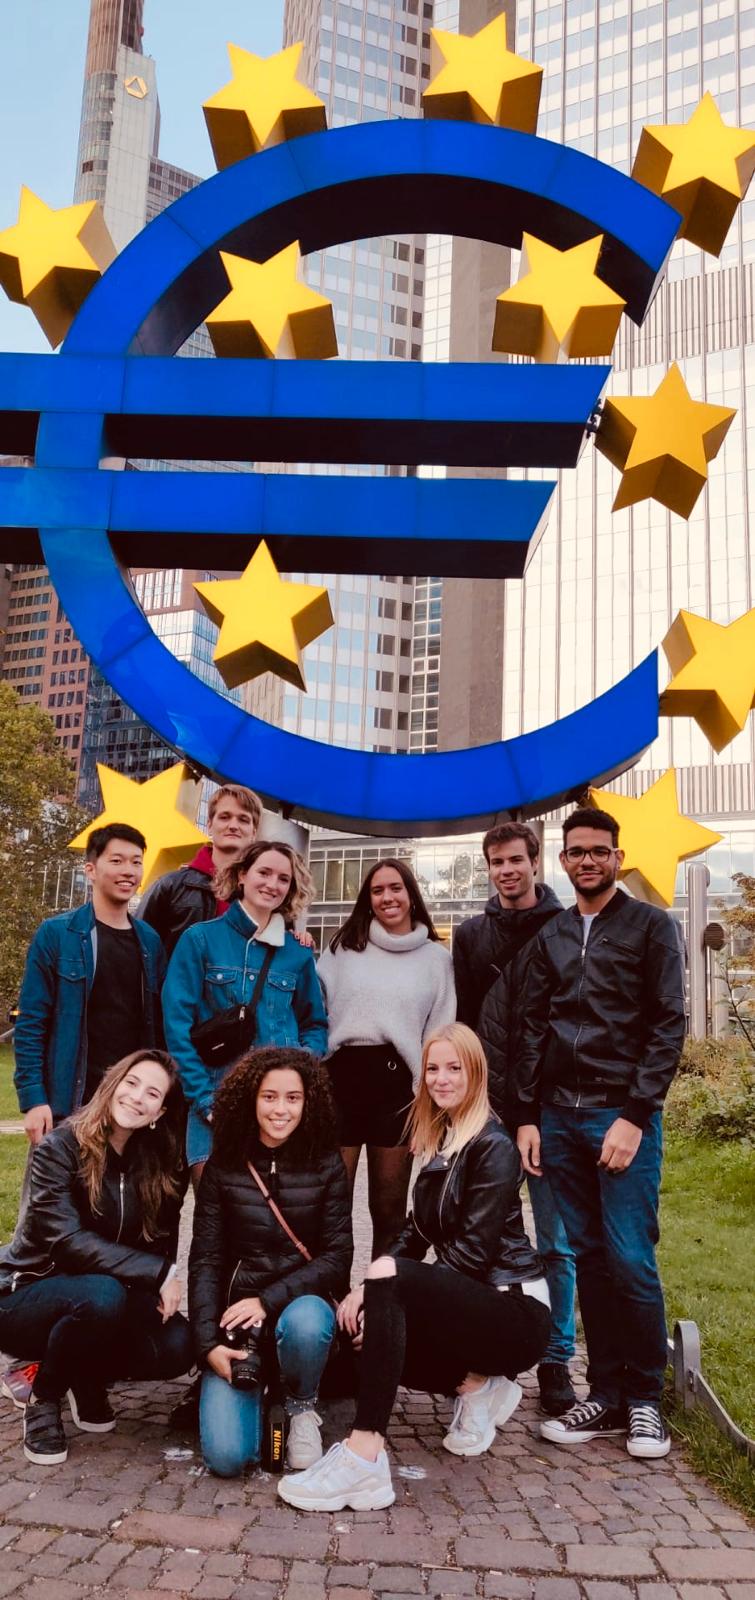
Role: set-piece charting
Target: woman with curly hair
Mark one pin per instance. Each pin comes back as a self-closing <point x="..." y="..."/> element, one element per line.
<point x="388" y="981"/>
<point x="248" y="957"/>
<point x="88" y="1285"/>
<point x="271" y="1246"/>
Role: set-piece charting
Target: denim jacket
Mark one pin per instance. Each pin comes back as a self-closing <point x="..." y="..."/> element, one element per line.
<point x="213" y="967"/>
<point x="50" y="1038"/>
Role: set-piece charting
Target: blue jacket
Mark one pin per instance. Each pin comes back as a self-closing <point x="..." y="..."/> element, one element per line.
<point x="50" y="1038"/>
<point x="206" y="976"/>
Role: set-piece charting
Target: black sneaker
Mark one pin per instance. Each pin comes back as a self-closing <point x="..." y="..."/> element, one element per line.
<point x="589" y="1419"/>
<point x="184" y="1418"/>
<point x="44" y="1439"/>
<point x="648" y="1436"/>
<point x="91" y="1410"/>
<point x="556" y="1392"/>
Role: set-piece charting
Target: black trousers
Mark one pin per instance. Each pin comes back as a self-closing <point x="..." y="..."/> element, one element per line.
<point x="430" y="1325"/>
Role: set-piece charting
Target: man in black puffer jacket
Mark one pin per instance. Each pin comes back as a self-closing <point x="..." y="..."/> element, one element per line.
<point x="490" y="963"/>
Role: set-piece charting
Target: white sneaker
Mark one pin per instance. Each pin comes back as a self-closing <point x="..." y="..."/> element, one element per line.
<point x="340" y="1479"/>
<point x="304" y="1446"/>
<point x="476" y="1416"/>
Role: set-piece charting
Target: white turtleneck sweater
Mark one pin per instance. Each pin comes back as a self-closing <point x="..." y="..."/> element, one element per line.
<point x="394" y="992"/>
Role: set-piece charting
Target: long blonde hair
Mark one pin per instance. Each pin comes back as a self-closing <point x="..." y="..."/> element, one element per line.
<point x="156" y="1154"/>
<point x="432" y="1129"/>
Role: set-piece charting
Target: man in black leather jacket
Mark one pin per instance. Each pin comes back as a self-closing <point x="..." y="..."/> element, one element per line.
<point x="181" y="898"/>
<point x="603" y="1032"/>
<point x="494" y="950"/>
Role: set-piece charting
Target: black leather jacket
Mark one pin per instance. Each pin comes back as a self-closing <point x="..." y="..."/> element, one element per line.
<point x="501" y="1018"/>
<point x="484" y="945"/>
<point x="176" y="902"/>
<point x="59" y="1233"/>
<point x="604" y="1026"/>
<point x="240" y="1249"/>
<point x="467" y="1207"/>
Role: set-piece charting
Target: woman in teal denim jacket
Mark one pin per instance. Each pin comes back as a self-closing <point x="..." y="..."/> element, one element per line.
<point x="215" y="966"/>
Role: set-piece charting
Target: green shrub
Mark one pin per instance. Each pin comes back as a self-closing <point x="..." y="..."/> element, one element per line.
<point x="713" y="1094"/>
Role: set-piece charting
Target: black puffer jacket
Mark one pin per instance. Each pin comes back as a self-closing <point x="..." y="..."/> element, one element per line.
<point x="60" y="1234"/>
<point x="483" y="947"/>
<point x="239" y="1248"/>
<point x="467" y="1207"/>
<point x="502" y="1015"/>
<point x="604" y="1025"/>
<point x="176" y="902"/>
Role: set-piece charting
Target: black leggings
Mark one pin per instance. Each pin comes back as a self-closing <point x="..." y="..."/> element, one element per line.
<point x="429" y="1326"/>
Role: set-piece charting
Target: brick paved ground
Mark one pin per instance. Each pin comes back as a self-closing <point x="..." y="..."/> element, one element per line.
<point x="132" y="1514"/>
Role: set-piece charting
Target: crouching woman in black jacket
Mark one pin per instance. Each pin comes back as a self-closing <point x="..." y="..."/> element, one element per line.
<point x="272" y="1245"/>
<point x="467" y="1323"/>
<point x="88" y="1285"/>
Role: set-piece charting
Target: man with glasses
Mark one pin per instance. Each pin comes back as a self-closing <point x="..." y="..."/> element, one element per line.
<point x="603" y="1032"/>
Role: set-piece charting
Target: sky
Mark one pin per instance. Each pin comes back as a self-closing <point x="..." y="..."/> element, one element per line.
<point x="43" y="72"/>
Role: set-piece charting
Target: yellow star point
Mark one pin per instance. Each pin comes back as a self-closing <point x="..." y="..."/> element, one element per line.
<point x="654" y="836"/>
<point x="270" y="312"/>
<point x="714" y="674"/>
<point x="49" y="260"/>
<point x="163" y="809"/>
<point x="263" y="105"/>
<point x="702" y="168"/>
<point x="265" y="623"/>
<point x="476" y="78"/>
<point x="560" y="308"/>
<point x="662" y="443"/>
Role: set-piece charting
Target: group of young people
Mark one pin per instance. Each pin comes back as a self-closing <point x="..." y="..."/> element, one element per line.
<point x="548" y="1043"/>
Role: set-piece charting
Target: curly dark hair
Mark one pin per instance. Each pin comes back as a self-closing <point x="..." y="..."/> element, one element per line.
<point x="234" y="1119"/>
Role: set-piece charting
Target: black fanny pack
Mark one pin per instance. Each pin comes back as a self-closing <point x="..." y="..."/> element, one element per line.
<point x="229" y="1034"/>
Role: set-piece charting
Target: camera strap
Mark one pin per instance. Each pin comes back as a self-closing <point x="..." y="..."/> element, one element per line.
<point x="278" y="1214"/>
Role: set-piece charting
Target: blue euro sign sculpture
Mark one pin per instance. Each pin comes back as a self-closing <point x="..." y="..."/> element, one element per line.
<point x="116" y="390"/>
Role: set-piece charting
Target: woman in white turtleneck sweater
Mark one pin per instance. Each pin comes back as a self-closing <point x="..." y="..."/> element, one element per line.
<point x="388" y="982"/>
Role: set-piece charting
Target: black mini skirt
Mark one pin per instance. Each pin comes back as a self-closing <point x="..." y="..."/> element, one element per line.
<point x="373" y="1091"/>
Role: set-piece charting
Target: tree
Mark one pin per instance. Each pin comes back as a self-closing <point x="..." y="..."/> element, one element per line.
<point x="738" y="964"/>
<point x="37" y="819"/>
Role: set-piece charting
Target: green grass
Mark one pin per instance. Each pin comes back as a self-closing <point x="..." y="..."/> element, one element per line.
<point x="9" y="1111"/>
<point x="13" y="1149"/>
<point x="707" y="1229"/>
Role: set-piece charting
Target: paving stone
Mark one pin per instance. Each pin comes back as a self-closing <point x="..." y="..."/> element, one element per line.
<point x="507" y="1586"/>
<point x="149" y="1527"/>
<point x="701" y="1591"/>
<point x="48" y="1512"/>
<point x="556" y="1589"/>
<point x="609" y="1560"/>
<point x="341" y="1593"/>
<point x="399" y="1580"/>
<point x="372" y="1543"/>
<point x="605" y="1589"/>
<point x="700" y="1565"/>
<point x="445" y="1581"/>
<point x="271" y="1540"/>
<point x="494" y="1551"/>
<point x="657" y="1591"/>
<point x="216" y="1587"/>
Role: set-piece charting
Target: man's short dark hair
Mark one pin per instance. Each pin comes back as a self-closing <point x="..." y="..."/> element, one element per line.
<point x="505" y="832"/>
<point x="591" y="817"/>
<point x="99" y="838"/>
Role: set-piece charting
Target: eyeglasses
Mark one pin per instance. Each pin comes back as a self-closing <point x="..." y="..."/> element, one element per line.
<point x="597" y="852"/>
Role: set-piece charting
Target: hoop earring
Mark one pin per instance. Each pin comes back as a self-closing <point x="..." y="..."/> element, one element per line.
<point x="153" y="1125"/>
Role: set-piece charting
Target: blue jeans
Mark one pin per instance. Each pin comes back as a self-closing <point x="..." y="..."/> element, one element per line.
<point x="230" y="1420"/>
<point x="560" y="1271"/>
<point x="90" y="1329"/>
<point x="611" y="1220"/>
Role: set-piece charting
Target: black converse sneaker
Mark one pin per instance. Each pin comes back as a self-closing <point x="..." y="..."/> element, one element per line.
<point x="589" y="1419"/>
<point x="44" y="1439"/>
<point x="556" y="1392"/>
<point x="90" y="1409"/>
<point x="648" y="1435"/>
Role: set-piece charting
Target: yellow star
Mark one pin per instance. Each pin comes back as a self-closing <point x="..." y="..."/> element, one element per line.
<point x="263" y="104"/>
<point x="163" y="809"/>
<point x="702" y="168"/>
<point x="663" y="443"/>
<point x="264" y="622"/>
<point x="714" y="674"/>
<point x="477" y="79"/>
<point x="49" y="260"/>
<point x="560" y="308"/>
<point x="654" y="836"/>
<point x="270" y="312"/>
